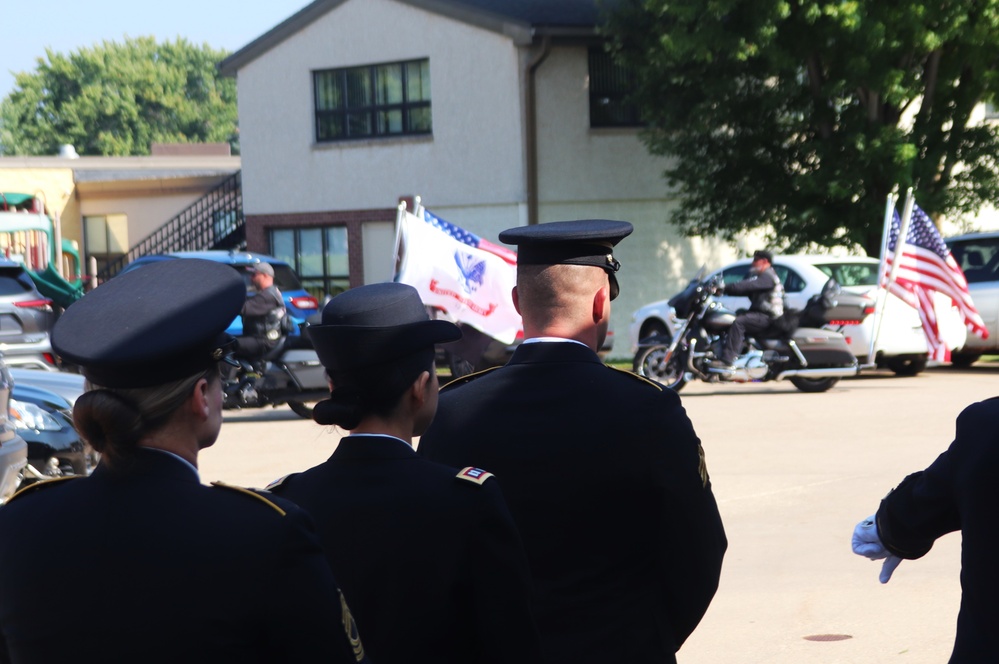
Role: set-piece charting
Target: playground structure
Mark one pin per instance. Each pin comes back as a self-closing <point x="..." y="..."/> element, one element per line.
<point x="29" y="236"/>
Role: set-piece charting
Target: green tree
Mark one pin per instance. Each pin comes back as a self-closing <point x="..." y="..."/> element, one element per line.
<point x="118" y="98"/>
<point x="801" y="116"/>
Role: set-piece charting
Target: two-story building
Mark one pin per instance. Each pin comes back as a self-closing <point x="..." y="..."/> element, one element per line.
<point x="496" y="113"/>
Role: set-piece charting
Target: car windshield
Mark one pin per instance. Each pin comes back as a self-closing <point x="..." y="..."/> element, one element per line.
<point x="978" y="258"/>
<point x="851" y="274"/>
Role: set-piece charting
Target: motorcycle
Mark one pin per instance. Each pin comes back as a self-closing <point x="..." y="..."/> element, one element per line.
<point x="290" y="373"/>
<point x="796" y="347"/>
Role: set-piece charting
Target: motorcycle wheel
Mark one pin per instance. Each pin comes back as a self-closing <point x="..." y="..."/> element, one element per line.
<point x="813" y="384"/>
<point x="301" y="409"/>
<point x="649" y="363"/>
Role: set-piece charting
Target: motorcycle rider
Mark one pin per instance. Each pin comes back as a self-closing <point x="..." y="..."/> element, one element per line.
<point x="262" y="316"/>
<point x="766" y="295"/>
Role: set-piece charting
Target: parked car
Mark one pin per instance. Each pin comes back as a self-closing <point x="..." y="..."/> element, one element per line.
<point x="26" y="317"/>
<point x="41" y="410"/>
<point x="67" y="385"/>
<point x="977" y="254"/>
<point x="297" y="300"/>
<point x="901" y="344"/>
<point x="13" y="448"/>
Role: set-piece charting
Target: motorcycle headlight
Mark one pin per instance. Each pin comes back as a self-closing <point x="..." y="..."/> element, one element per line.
<point x="26" y="415"/>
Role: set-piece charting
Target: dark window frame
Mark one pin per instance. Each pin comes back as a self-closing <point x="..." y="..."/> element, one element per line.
<point x="333" y="125"/>
<point x="610" y="85"/>
<point x="332" y="284"/>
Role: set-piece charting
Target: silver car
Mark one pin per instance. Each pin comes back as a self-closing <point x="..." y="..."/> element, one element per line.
<point x="26" y="317"/>
<point x="977" y="254"/>
<point x="13" y="449"/>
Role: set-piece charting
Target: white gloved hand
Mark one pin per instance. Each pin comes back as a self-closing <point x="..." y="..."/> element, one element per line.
<point x="867" y="543"/>
<point x="891" y="562"/>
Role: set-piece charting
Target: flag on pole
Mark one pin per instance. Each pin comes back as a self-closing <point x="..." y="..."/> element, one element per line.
<point x="455" y="270"/>
<point x="925" y="267"/>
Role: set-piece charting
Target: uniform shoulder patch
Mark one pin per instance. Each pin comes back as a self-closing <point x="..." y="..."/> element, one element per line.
<point x="466" y="378"/>
<point x="278" y="482"/>
<point x="254" y="493"/>
<point x="42" y="484"/>
<point x="472" y="474"/>
<point x="634" y="375"/>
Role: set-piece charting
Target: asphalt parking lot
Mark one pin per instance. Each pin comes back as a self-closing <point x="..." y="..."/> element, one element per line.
<point x="793" y="473"/>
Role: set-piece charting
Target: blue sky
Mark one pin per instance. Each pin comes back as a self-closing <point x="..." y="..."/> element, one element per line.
<point x="30" y="26"/>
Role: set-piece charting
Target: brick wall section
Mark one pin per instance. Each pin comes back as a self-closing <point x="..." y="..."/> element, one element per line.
<point x="258" y="226"/>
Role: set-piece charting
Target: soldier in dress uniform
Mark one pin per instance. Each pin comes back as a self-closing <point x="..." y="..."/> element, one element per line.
<point x="602" y="470"/>
<point x="435" y="570"/>
<point x="958" y="491"/>
<point x="141" y="562"/>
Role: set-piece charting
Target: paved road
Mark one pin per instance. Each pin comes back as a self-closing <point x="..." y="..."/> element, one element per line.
<point x="793" y="473"/>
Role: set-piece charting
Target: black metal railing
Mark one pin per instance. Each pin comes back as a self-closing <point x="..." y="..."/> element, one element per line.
<point x="214" y="221"/>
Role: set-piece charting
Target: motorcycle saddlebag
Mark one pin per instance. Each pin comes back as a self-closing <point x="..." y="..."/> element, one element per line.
<point x="823" y="347"/>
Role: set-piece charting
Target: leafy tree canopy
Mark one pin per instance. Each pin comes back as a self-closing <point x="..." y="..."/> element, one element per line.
<point x="118" y="98"/>
<point x="801" y="116"/>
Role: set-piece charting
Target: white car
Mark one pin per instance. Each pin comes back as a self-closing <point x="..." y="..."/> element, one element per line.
<point x="901" y="344"/>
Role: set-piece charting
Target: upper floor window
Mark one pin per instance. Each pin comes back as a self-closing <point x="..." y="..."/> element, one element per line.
<point x="375" y="100"/>
<point x="610" y="84"/>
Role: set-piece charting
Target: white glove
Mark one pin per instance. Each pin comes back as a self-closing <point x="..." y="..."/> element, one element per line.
<point x="867" y="543"/>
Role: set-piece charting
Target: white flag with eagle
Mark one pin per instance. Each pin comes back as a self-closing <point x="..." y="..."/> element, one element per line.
<point x="468" y="277"/>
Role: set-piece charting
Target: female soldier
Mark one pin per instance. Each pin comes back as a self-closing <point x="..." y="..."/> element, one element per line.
<point x="140" y="562"/>
<point x="434" y="569"/>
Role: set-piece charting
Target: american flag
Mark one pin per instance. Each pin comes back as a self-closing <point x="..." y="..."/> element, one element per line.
<point x="927" y="267"/>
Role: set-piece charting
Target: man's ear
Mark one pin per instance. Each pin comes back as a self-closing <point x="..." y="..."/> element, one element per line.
<point x="419" y="388"/>
<point x="601" y="303"/>
<point x="516" y="300"/>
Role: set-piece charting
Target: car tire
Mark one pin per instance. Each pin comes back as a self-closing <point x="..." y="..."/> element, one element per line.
<point x="907" y="365"/>
<point x="964" y="360"/>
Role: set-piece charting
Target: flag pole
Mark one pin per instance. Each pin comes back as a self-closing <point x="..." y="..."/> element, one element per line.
<point x="397" y="254"/>
<point x="881" y="299"/>
<point x="903" y="231"/>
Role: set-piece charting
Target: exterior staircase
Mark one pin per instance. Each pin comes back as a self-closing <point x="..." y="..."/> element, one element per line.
<point x="214" y="221"/>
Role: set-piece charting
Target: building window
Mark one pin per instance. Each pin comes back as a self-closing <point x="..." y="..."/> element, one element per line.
<point x="105" y="238"/>
<point x="610" y="84"/>
<point x="373" y="101"/>
<point x="319" y="256"/>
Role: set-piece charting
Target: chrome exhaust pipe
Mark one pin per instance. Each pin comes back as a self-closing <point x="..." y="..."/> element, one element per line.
<point x="833" y="372"/>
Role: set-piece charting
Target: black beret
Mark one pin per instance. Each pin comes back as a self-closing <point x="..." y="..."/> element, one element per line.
<point x="374" y="324"/>
<point x="153" y="325"/>
<point x="580" y="242"/>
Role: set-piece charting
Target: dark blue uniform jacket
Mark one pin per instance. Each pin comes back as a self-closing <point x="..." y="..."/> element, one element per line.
<point x="606" y="481"/>
<point x="431" y="564"/>
<point x="958" y="491"/>
<point x="146" y="564"/>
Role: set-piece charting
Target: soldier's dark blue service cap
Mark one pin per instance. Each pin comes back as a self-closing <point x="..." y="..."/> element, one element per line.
<point x="580" y="242"/>
<point x="374" y="324"/>
<point x="162" y="322"/>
